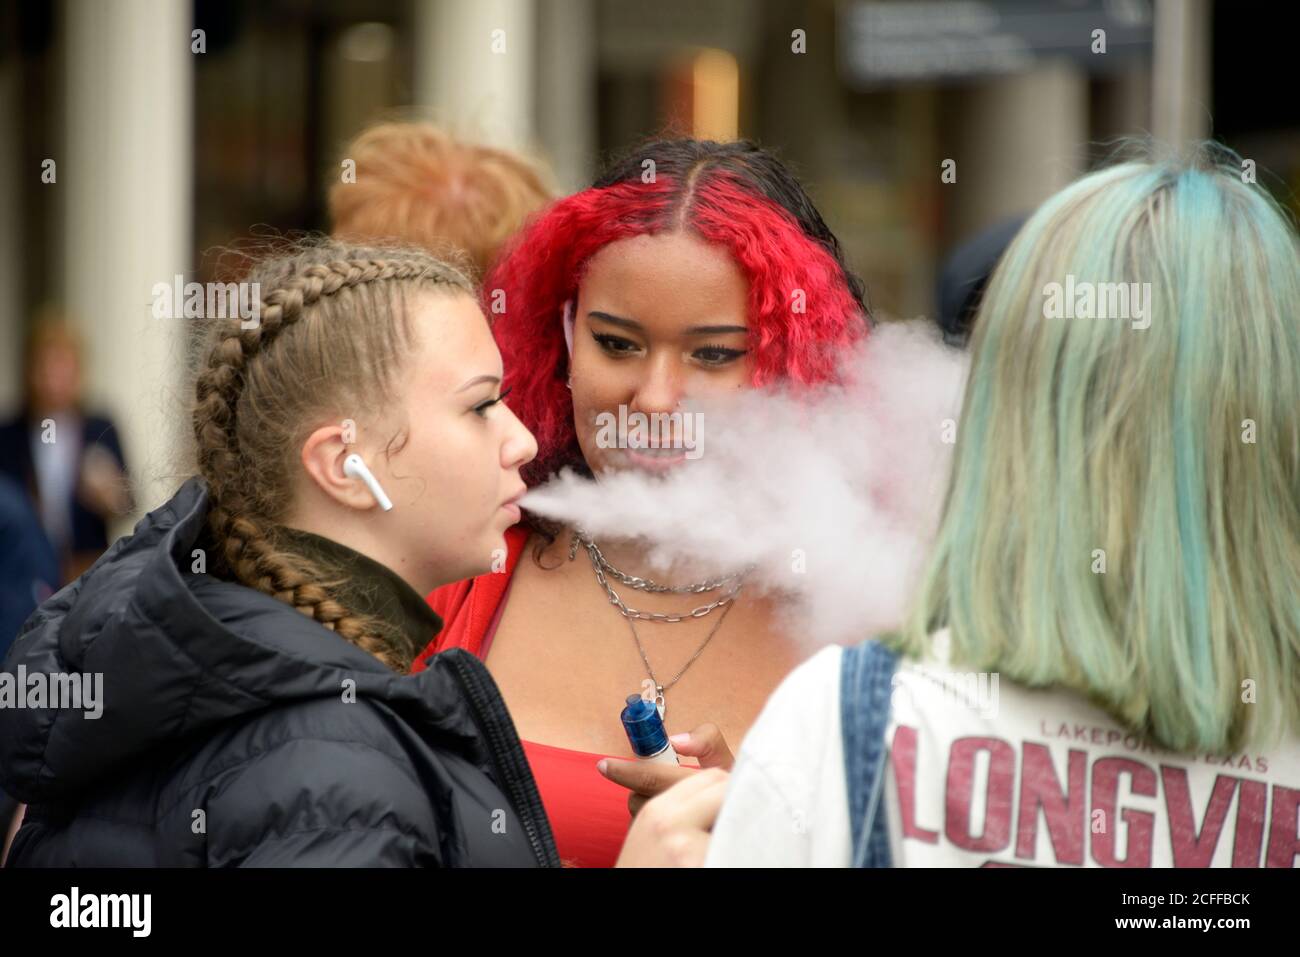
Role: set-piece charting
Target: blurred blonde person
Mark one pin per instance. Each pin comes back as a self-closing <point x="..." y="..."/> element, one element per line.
<point x="418" y="185"/>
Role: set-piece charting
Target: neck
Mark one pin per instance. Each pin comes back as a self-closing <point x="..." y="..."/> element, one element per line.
<point x="359" y="532"/>
<point x="632" y="557"/>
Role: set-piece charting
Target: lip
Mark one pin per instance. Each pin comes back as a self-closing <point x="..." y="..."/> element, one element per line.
<point x="654" y="462"/>
<point x="511" y="504"/>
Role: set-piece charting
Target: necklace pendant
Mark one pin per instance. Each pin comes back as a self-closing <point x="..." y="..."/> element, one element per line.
<point x="661" y="703"/>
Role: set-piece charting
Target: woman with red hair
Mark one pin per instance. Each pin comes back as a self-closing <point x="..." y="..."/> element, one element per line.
<point x="690" y="268"/>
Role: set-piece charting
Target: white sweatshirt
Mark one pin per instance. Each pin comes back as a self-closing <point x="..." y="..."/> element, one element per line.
<point x="987" y="772"/>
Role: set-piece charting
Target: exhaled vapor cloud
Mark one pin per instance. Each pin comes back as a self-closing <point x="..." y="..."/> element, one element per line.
<point x="832" y="498"/>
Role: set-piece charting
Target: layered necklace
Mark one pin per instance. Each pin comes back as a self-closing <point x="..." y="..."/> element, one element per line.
<point x="605" y="571"/>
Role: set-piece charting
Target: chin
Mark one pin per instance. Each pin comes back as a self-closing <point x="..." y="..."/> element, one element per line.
<point x="496" y="540"/>
<point x="607" y="460"/>
<point x="473" y="571"/>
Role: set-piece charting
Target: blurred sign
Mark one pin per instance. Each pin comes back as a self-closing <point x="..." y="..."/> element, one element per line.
<point x="892" y="41"/>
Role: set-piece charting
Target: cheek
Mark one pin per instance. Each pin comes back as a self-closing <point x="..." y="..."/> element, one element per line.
<point x="460" y="462"/>
<point x="605" y="386"/>
<point x="599" y="385"/>
<point x="588" y="402"/>
<point x="742" y="376"/>
<point x="601" y="395"/>
<point x="738" y="375"/>
<point x="593" y="369"/>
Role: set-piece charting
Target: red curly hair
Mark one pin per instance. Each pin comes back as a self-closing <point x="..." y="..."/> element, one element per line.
<point x="804" y="306"/>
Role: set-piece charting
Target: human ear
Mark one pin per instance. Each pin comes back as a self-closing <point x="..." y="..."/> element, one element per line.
<point x="324" y="454"/>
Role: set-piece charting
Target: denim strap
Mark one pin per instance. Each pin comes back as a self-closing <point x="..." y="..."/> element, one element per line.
<point x="866" y="683"/>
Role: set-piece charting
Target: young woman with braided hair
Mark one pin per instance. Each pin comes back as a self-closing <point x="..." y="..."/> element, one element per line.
<point x="352" y="453"/>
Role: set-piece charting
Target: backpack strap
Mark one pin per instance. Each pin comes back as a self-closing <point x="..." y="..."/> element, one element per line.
<point x="866" y="684"/>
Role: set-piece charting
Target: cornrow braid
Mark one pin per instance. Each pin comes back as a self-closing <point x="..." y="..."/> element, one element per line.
<point x="257" y="389"/>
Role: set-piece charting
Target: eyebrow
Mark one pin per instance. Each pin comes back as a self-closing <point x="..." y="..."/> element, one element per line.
<point x="476" y="380"/>
<point x="693" y="330"/>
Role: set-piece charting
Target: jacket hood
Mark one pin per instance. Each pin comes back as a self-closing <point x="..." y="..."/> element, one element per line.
<point x="174" y="652"/>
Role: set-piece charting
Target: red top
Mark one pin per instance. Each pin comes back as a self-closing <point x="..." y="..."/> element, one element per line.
<point x="587" y="811"/>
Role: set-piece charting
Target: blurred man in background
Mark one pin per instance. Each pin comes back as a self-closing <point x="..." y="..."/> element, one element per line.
<point x="69" y="462"/>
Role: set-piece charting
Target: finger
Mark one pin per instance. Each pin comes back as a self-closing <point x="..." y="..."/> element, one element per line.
<point x="678" y="849"/>
<point x="706" y="744"/>
<point x="691" y="805"/>
<point x="644" y="777"/>
<point x="673" y="828"/>
<point x="686" y="790"/>
<point x="700" y="807"/>
<point x="637" y="801"/>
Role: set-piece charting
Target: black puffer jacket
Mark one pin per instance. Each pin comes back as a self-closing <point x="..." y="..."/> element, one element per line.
<point x="225" y="737"/>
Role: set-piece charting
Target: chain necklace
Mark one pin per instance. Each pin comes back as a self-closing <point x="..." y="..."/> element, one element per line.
<point x="661" y="690"/>
<point x="600" y="565"/>
<point x="644" y="584"/>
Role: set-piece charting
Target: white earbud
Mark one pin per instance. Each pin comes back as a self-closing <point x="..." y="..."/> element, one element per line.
<point x="354" y="467"/>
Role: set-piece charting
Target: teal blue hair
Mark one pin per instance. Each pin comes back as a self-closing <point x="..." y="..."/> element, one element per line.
<point x="1123" y="517"/>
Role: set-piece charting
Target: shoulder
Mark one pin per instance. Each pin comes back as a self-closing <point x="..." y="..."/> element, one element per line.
<point x="804" y="702"/>
<point x="322" y="781"/>
<point x="345" y="728"/>
<point x="936" y="688"/>
<point x="785" y="803"/>
<point x="800" y="720"/>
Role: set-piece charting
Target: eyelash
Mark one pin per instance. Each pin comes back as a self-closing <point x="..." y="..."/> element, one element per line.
<point x="481" y="409"/>
<point x="727" y="354"/>
<point x="610" y="343"/>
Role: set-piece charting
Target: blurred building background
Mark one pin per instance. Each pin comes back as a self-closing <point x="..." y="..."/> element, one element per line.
<point x="167" y="143"/>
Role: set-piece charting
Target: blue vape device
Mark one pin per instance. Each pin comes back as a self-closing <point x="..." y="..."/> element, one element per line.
<point x="645" y="731"/>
